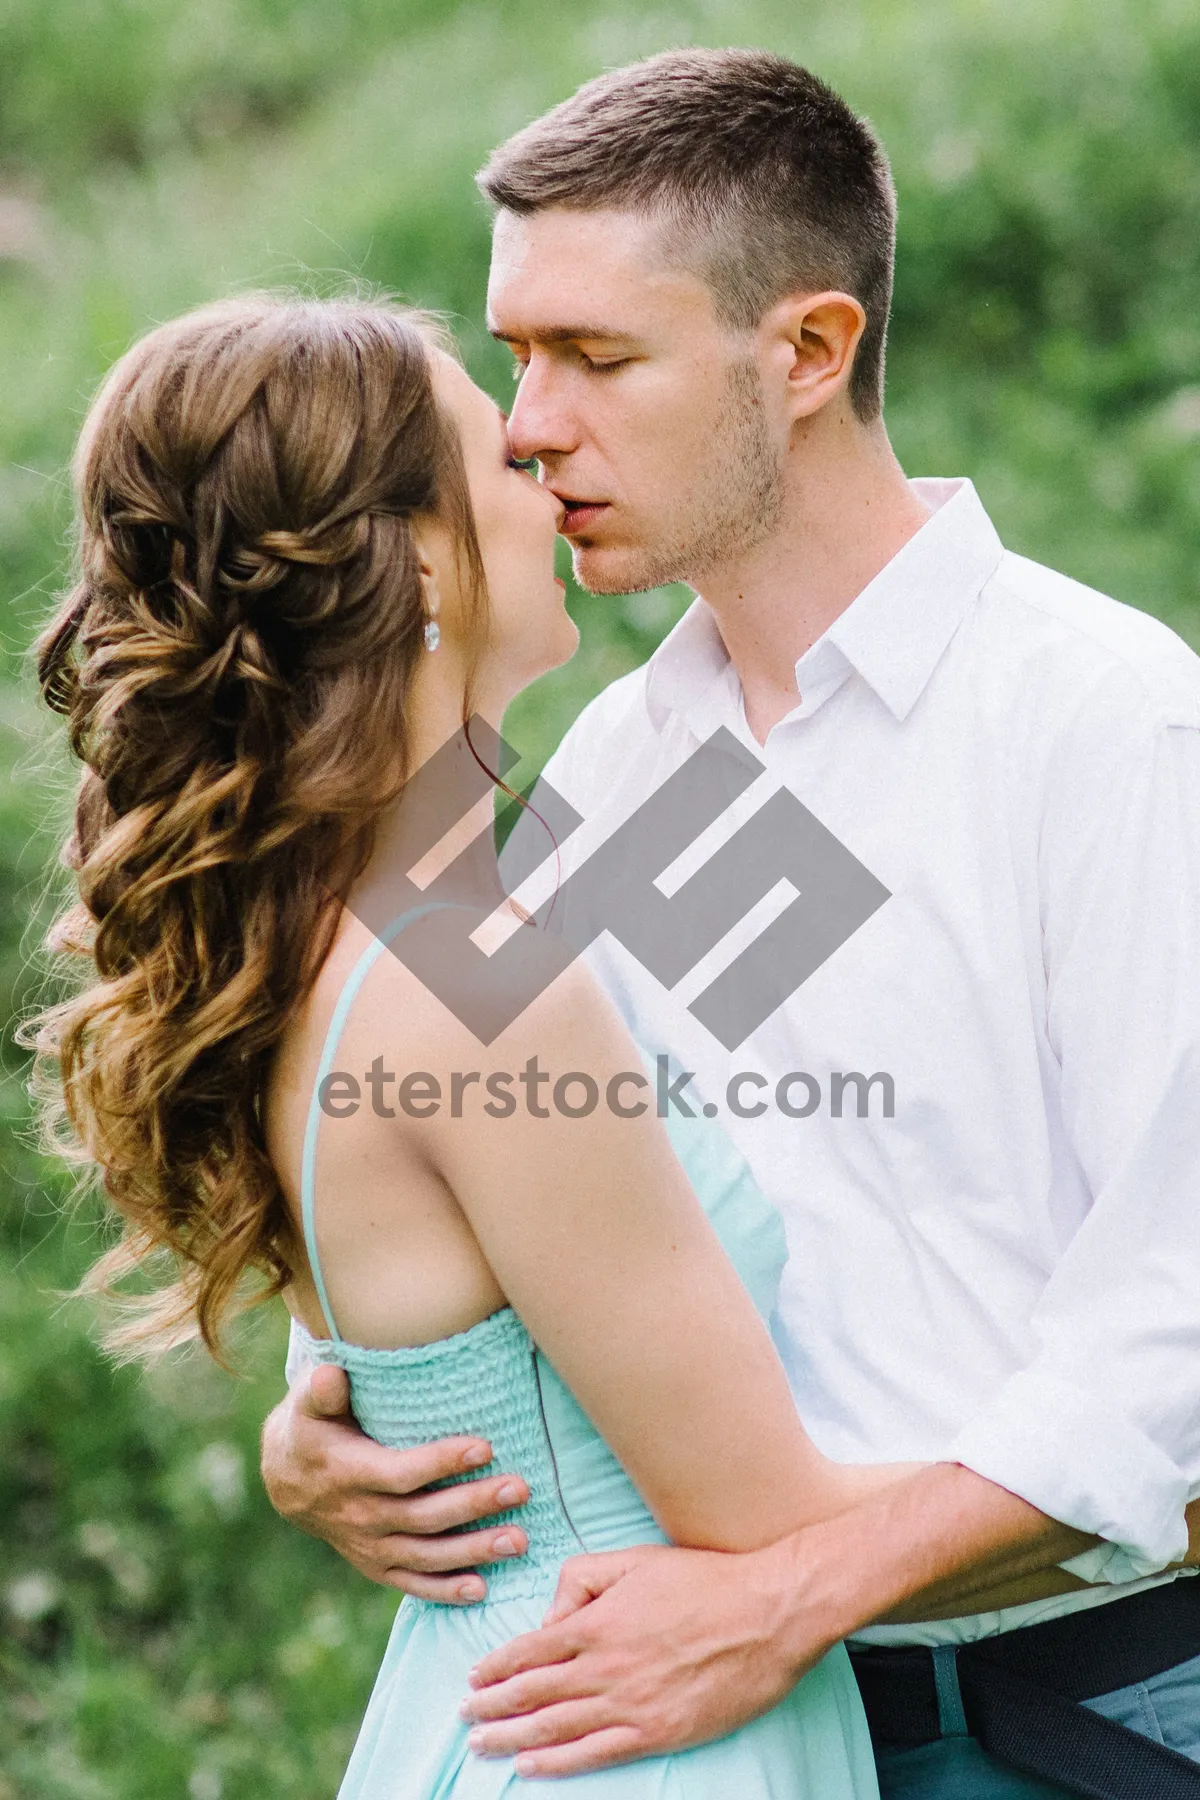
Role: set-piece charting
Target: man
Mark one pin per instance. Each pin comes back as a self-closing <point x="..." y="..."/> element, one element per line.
<point x="978" y="1114"/>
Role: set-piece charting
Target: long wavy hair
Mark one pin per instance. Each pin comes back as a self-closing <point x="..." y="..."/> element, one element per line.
<point x="234" y="665"/>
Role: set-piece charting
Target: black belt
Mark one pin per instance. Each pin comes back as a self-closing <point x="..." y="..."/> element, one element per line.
<point x="1020" y="1694"/>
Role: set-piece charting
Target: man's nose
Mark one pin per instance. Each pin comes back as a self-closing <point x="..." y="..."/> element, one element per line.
<point x="540" y="423"/>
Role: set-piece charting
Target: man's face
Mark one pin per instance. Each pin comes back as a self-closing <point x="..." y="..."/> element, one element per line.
<point x="645" y="412"/>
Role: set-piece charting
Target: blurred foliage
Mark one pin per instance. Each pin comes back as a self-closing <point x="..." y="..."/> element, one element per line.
<point x="161" y="1634"/>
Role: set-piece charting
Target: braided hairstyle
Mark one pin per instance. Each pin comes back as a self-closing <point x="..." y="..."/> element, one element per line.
<point x="234" y="665"/>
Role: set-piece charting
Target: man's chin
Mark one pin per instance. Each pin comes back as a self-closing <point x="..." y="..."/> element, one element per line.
<point x="618" y="571"/>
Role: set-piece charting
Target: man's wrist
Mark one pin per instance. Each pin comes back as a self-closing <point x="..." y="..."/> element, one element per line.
<point x="846" y="1572"/>
<point x="816" y="1591"/>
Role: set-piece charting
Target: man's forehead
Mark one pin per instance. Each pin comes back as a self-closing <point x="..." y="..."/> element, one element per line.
<point x="560" y="274"/>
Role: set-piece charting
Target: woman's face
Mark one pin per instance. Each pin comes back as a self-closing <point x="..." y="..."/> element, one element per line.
<point x="516" y="520"/>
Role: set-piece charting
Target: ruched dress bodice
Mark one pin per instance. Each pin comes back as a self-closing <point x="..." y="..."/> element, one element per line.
<point x="491" y="1381"/>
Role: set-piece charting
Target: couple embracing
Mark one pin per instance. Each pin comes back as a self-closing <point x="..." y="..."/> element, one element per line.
<point x="751" y="1446"/>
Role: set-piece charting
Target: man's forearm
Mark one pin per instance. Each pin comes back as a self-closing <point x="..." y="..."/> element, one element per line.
<point x="966" y="1595"/>
<point x="969" y="1593"/>
<point x="671" y="1647"/>
<point x="945" y="1541"/>
<point x="1021" y="1550"/>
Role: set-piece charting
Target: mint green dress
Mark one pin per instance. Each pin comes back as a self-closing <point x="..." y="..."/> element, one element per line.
<point x="493" y="1382"/>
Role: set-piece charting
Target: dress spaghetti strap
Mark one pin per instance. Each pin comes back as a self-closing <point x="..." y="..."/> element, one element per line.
<point x="308" y="1161"/>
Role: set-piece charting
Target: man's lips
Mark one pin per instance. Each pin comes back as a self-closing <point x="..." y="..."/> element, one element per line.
<point x="580" y="514"/>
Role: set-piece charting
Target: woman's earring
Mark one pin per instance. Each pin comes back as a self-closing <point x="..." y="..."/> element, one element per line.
<point x="433" y="631"/>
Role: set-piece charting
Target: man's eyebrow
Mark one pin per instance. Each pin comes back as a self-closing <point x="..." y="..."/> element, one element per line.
<point x="563" y="334"/>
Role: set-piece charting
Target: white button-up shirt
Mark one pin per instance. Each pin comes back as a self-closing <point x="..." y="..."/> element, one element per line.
<point x="1000" y="1263"/>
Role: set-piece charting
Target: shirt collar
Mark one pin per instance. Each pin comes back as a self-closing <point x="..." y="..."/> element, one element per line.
<point x="893" y="634"/>
<point x="690" y="671"/>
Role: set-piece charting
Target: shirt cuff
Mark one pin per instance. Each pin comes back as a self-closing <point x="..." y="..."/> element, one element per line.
<point x="1106" y="1564"/>
<point x="1056" y="1446"/>
<point x="299" y="1362"/>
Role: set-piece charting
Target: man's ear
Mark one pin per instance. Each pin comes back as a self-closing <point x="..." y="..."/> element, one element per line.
<point x="815" y="337"/>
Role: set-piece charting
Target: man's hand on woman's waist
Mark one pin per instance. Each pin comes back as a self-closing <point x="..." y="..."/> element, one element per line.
<point x="648" y="1651"/>
<point x="323" y="1474"/>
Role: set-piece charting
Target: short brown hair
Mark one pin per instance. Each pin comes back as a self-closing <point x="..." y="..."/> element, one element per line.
<point x="774" y="186"/>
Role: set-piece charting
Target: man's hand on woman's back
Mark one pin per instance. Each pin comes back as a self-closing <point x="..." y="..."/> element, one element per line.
<point x="373" y="1505"/>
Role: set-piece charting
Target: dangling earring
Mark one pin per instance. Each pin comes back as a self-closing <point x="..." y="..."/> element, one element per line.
<point x="433" y="631"/>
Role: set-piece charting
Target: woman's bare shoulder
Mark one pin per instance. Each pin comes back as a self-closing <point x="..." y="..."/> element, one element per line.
<point x="454" y="1000"/>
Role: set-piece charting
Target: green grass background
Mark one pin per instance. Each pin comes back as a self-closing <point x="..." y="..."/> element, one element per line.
<point x="162" y="1635"/>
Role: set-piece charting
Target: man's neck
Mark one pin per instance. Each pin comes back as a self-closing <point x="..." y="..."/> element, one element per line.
<point x="849" y="511"/>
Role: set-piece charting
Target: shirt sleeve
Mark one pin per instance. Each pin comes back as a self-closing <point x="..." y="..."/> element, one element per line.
<point x="1101" y="1429"/>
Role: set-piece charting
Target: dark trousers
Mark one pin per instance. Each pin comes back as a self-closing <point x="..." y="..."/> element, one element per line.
<point x="1165" y="1708"/>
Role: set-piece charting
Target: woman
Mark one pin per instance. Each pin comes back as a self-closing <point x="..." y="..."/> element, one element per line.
<point x="308" y="559"/>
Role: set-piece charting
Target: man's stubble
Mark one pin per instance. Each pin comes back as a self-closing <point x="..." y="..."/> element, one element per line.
<point x="733" y="502"/>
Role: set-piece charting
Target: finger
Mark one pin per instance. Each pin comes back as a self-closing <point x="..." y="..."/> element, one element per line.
<point x="428" y="1515"/>
<point x="552" y="1686"/>
<point x="426" y="1463"/>
<point x="461" y="1589"/>
<point x="435" y="1462"/>
<point x="433" y="1515"/>
<point x="532" y="1651"/>
<point x="446" y="1555"/>
<point x="580" y="1581"/>
<point x="327" y="1395"/>
<point x="552" y="1725"/>
<point x="599" y="1750"/>
<point x="566" y="1602"/>
<point x="359" y="1462"/>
